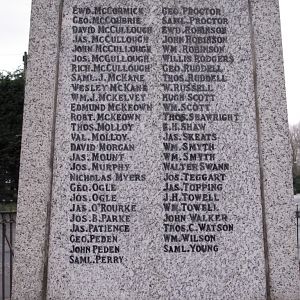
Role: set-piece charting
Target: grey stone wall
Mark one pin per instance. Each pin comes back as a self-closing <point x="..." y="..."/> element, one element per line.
<point x="155" y="163"/>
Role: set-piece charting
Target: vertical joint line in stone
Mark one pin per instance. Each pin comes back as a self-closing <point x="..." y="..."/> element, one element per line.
<point x="260" y="158"/>
<point x="49" y="204"/>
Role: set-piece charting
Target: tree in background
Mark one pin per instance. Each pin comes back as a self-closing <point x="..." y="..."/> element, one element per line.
<point x="295" y="142"/>
<point x="11" y="113"/>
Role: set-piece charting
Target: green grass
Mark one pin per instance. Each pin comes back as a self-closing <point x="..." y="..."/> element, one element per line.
<point x="8" y="207"/>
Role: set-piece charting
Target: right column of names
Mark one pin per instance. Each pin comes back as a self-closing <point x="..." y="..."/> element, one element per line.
<point x="194" y="61"/>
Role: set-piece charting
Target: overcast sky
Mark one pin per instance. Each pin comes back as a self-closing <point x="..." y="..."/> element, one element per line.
<point x="14" y="31"/>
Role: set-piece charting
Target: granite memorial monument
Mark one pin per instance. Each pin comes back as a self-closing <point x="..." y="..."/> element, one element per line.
<point x="155" y="155"/>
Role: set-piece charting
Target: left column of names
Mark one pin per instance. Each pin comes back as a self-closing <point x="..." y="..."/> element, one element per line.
<point x="109" y="97"/>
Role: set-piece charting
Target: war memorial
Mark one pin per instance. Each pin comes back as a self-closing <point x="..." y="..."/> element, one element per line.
<point x="155" y="156"/>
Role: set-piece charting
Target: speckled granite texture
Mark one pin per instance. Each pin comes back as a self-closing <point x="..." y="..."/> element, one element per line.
<point x="256" y="260"/>
<point x="36" y="162"/>
<point x="280" y="215"/>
